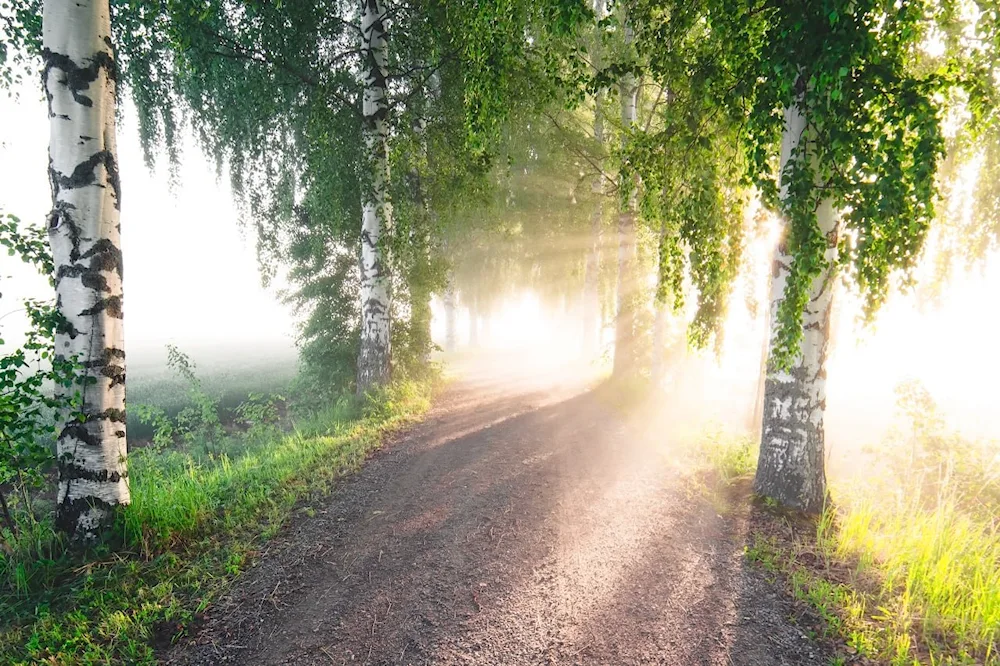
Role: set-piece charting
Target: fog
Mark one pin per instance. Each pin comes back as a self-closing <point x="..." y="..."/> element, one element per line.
<point x="946" y="343"/>
<point x="191" y="275"/>
<point x="192" y="279"/>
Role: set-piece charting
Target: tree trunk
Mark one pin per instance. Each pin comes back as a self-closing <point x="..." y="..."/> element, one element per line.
<point x="592" y="267"/>
<point x="375" y="356"/>
<point x="591" y="293"/>
<point x="658" y="365"/>
<point x="473" y="322"/>
<point x="79" y="79"/>
<point x="625" y="361"/>
<point x="450" y="316"/>
<point x="790" y="468"/>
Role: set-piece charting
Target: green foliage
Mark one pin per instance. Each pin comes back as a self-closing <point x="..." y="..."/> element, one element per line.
<point x="20" y="39"/>
<point x="37" y="386"/>
<point x="732" y="456"/>
<point x="198" y="422"/>
<point x="871" y="146"/>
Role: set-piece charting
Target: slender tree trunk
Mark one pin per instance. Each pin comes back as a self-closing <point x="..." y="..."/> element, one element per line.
<point x="473" y="322"/>
<point x="486" y="328"/>
<point x="79" y="78"/>
<point x="591" y="280"/>
<point x="421" y="309"/>
<point x="420" y="304"/>
<point x="625" y="361"/>
<point x="791" y="464"/>
<point x="658" y="365"/>
<point x="591" y="291"/>
<point x="375" y="357"/>
<point x="660" y="322"/>
<point x="450" y="316"/>
<point x="757" y="420"/>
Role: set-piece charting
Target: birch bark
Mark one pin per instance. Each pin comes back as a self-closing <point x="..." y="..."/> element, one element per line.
<point x="79" y="78"/>
<point x="375" y="356"/>
<point x="791" y="468"/>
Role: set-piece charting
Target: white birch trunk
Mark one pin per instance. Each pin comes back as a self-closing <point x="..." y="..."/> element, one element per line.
<point x="375" y="356"/>
<point x="624" y="362"/>
<point x="591" y="292"/>
<point x="591" y="280"/>
<point x="790" y="468"/>
<point x="79" y="79"/>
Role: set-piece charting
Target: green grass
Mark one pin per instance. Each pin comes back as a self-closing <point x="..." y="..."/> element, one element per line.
<point x="938" y="573"/>
<point x="898" y="580"/>
<point x="732" y="456"/>
<point x="195" y="522"/>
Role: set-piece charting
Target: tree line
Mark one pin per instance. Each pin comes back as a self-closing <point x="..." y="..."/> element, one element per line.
<point x="386" y="151"/>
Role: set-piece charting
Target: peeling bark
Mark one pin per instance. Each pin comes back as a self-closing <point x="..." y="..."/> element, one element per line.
<point x="375" y="355"/>
<point x="790" y="468"/>
<point x="79" y="77"/>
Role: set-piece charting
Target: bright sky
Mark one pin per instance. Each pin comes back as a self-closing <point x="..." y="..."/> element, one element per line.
<point x="190" y="275"/>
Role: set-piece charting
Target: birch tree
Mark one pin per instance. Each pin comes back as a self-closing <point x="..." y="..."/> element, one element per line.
<point x="832" y="92"/>
<point x="791" y="466"/>
<point x="79" y="78"/>
<point x="592" y="267"/>
<point x="625" y="360"/>
<point x="374" y="358"/>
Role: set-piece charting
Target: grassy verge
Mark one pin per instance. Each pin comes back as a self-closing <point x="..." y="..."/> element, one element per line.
<point x="195" y="523"/>
<point x="895" y="581"/>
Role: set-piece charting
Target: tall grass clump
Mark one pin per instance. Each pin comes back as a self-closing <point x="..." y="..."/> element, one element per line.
<point x="924" y="540"/>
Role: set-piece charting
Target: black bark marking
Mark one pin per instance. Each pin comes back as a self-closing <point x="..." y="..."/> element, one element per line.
<point x="69" y="511"/>
<point x="69" y="471"/>
<point x="77" y="78"/>
<point x="80" y="432"/>
<point x="115" y="373"/>
<point x="84" y="174"/>
<point x="104" y="256"/>
<point x="110" y="414"/>
<point x="112" y="305"/>
<point x="94" y="281"/>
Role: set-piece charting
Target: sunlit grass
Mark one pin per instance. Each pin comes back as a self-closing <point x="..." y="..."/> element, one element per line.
<point x="902" y="581"/>
<point x="194" y="522"/>
<point x="939" y="571"/>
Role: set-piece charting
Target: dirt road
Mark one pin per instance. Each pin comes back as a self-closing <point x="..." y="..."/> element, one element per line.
<point x="525" y="521"/>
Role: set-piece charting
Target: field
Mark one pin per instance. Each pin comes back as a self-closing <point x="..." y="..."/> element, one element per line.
<point x="229" y="375"/>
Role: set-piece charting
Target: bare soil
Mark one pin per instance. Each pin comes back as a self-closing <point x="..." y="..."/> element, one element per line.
<point x="524" y="521"/>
